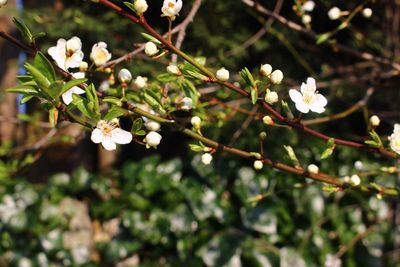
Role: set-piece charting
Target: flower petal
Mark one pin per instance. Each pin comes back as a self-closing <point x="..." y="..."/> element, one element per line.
<point x="295" y="95"/>
<point x="75" y="60"/>
<point x="67" y="96"/>
<point x="322" y="100"/>
<point x="58" y="53"/>
<point x="97" y="136"/>
<point x="108" y="143"/>
<point x="77" y="90"/>
<point x="302" y="107"/>
<point x="120" y="136"/>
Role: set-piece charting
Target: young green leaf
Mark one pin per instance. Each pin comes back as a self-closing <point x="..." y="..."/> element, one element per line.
<point x="25" y="32"/>
<point x="44" y="66"/>
<point x="72" y="83"/>
<point x="38" y="77"/>
<point x="115" y="112"/>
<point x="292" y="155"/>
<point x="254" y="95"/>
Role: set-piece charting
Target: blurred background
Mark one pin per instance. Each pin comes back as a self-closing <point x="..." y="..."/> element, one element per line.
<point x="65" y="201"/>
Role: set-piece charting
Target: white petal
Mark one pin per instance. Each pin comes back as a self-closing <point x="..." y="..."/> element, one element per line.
<point x="58" y="53"/>
<point x="97" y="136"/>
<point x="108" y="144"/>
<point x="77" y="90"/>
<point x="317" y="108"/>
<point x="302" y="107"/>
<point x="120" y="136"/>
<point x="78" y="75"/>
<point x="75" y="60"/>
<point x="67" y="96"/>
<point x="321" y="100"/>
<point x="295" y="95"/>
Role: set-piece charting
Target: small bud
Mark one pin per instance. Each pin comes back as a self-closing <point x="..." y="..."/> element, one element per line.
<point x="374" y="121"/>
<point x="152" y="139"/>
<point x="206" y="158"/>
<point x="187" y="103"/>
<point x="367" y="12"/>
<point x="140" y="82"/>
<point x="268" y="120"/>
<point x="258" y="165"/>
<point x="223" y="74"/>
<point x="124" y="76"/>
<point x="196" y="122"/>
<point x="174" y="70"/>
<point x="355" y="180"/>
<point x="265" y="70"/>
<point x="346" y="179"/>
<point x="152" y="126"/>
<point x="334" y="13"/>
<point x="312" y="168"/>
<point x="150" y="49"/>
<point x="271" y="97"/>
<point x="83" y="66"/>
<point x="263" y="135"/>
<point x="276" y="77"/>
<point x="306" y="19"/>
<point x="140" y="6"/>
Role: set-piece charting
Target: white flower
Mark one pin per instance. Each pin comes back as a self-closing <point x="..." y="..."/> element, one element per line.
<point x="3" y="3"/>
<point x="67" y="96"/>
<point x="367" y="12"/>
<point x="374" y="121"/>
<point x="206" y="158"/>
<point x="187" y="103"/>
<point x="140" y="82"/>
<point x="196" y="122"/>
<point x="308" y="6"/>
<point x="174" y="70"/>
<point x="306" y="19"/>
<point x="152" y="139"/>
<point x="140" y="6"/>
<point x="266" y="70"/>
<point x="355" y="179"/>
<point x="171" y="8"/>
<point x="312" y="168"/>
<point x="150" y="49"/>
<point x="152" y="126"/>
<point x="67" y="54"/>
<point x="100" y="54"/>
<point x="24" y="262"/>
<point x="109" y="134"/>
<point x="276" y="77"/>
<point x="271" y="97"/>
<point x="268" y="120"/>
<point x="394" y="139"/>
<point x="308" y="99"/>
<point x="258" y="165"/>
<point x="334" y="13"/>
<point x="332" y="261"/>
<point x="124" y="76"/>
<point x="223" y="74"/>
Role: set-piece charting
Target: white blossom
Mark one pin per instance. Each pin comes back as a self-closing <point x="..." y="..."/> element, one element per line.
<point x="308" y="99"/>
<point x="276" y="77"/>
<point x="109" y="134"/>
<point x="394" y="139"/>
<point x="206" y="158"/>
<point x="152" y="139"/>
<point x="174" y="70"/>
<point x="196" y="122"/>
<point x="171" y="8"/>
<point x="140" y="6"/>
<point x="271" y="97"/>
<point x="374" y="121"/>
<point x="152" y="125"/>
<point x="355" y="179"/>
<point x="124" y="76"/>
<point x="308" y="6"/>
<point x="67" y="54"/>
<point x="334" y="13"/>
<point x="3" y="3"/>
<point x="67" y="96"/>
<point x="332" y="261"/>
<point x="258" y="165"/>
<point x="266" y="70"/>
<point x="312" y="168"/>
<point x="140" y="82"/>
<point x="367" y="12"/>
<point x="100" y="55"/>
<point x="150" y="49"/>
<point x="222" y="74"/>
<point x="187" y="103"/>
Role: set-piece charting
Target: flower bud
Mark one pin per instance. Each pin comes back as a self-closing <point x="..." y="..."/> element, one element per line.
<point x="187" y="103"/>
<point x="271" y="97"/>
<point x="355" y="180"/>
<point x="258" y="165"/>
<point x="150" y="49"/>
<point x="306" y="19"/>
<point x="196" y="122"/>
<point x="206" y="158"/>
<point x="268" y="120"/>
<point x="367" y="12"/>
<point x="140" y="82"/>
<point x="99" y="54"/>
<point x="276" y="77"/>
<point x="124" y="76"/>
<point x="152" y="139"/>
<point x="312" y="168"/>
<point x="265" y="70"/>
<point x="174" y="70"/>
<point x="140" y="6"/>
<point x="374" y="121"/>
<point x="152" y="126"/>
<point x="222" y="74"/>
<point x="263" y="135"/>
<point x="83" y="66"/>
<point x="334" y="13"/>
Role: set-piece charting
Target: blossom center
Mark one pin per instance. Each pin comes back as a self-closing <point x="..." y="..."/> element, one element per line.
<point x="308" y="98"/>
<point x="171" y="5"/>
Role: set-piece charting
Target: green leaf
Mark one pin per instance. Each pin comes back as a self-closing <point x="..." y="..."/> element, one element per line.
<point x="140" y="132"/>
<point x="375" y="137"/>
<point x="197" y="75"/>
<point x="44" y="66"/>
<point x="166" y="77"/>
<point x="254" y="95"/>
<point x="152" y="99"/>
<point x="292" y="155"/>
<point x="196" y="148"/>
<point x="287" y="110"/>
<point x="372" y="143"/>
<point x="130" y="6"/>
<point x="190" y="90"/>
<point x="322" y="38"/>
<point x="247" y="77"/>
<point x="38" y="77"/>
<point x="53" y="116"/>
<point x="137" y="125"/>
<point x="22" y="89"/>
<point x="72" y="83"/>
<point x="150" y="38"/>
<point x="81" y="104"/>
<point x="112" y="100"/>
<point x="115" y="112"/>
<point x="26" y="98"/>
<point x="25" y="32"/>
<point x="92" y="100"/>
<point x="327" y="153"/>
